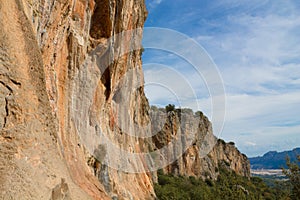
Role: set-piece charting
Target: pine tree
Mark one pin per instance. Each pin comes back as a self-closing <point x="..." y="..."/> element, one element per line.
<point x="293" y="173"/>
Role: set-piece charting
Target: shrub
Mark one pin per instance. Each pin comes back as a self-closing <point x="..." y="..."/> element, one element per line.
<point x="232" y="143"/>
<point x="170" y="107"/>
<point x="199" y="114"/>
<point x="221" y="141"/>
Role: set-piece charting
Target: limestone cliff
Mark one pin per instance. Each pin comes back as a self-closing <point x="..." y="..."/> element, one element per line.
<point x="60" y="71"/>
<point x="202" y="153"/>
<point x="74" y="119"/>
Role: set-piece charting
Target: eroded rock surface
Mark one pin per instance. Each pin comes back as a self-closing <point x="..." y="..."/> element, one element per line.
<point x="53" y="91"/>
<point x="72" y="105"/>
<point x="199" y="152"/>
<point x="31" y="164"/>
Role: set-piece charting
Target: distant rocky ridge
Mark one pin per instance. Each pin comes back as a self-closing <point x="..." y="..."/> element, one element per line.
<point x="274" y="159"/>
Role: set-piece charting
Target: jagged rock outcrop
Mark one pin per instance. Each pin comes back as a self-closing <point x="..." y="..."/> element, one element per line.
<point x="199" y="153"/>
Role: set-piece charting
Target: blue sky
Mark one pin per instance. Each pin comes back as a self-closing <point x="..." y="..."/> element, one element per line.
<point x="256" y="47"/>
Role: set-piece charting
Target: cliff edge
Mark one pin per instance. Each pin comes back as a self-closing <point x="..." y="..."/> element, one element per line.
<point x="197" y="152"/>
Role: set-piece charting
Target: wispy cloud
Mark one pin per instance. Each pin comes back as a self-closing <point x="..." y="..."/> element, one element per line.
<point x="255" y="46"/>
<point x="152" y="4"/>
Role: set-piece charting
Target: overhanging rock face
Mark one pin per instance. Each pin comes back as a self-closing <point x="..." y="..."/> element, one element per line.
<point x="73" y="112"/>
<point x="60" y="72"/>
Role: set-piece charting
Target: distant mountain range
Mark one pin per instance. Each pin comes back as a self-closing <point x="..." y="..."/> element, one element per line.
<point x="273" y="159"/>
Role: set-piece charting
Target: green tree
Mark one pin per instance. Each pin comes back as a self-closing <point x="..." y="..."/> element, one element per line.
<point x="170" y="107"/>
<point x="293" y="173"/>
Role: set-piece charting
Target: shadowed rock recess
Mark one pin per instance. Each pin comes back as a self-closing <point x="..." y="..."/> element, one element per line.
<point x="60" y="77"/>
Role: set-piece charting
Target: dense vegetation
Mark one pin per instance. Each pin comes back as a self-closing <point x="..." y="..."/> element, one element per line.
<point x="228" y="186"/>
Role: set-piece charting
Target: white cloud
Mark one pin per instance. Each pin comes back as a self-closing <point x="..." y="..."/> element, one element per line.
<point x="153" y="3"/>
<point x="265" y="120"/>
<point x="251" y="144"/>
<point x="168" y="84"/>
<point x="269" y="139"/>
<point x="255" y="46"/>
<point x="269" y="38"/>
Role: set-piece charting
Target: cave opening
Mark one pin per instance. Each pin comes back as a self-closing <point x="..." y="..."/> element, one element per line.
<point x="105" y="79"/>
<point x="101" y="25"/>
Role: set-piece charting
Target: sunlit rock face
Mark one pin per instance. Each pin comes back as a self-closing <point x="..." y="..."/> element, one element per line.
<point x="74" y="119"/>
<point x="62" y="64"/>
<point x="189" y="147"/>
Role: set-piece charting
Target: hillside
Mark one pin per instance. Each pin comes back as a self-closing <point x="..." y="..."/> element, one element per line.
<point x="273" y="159"/>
